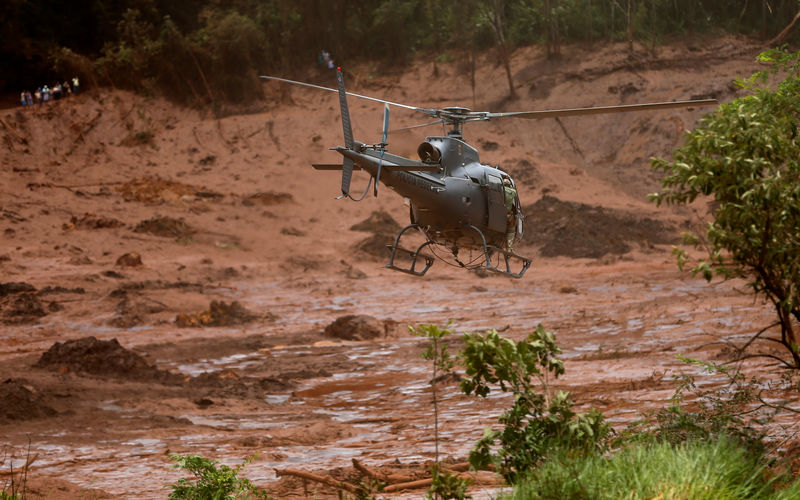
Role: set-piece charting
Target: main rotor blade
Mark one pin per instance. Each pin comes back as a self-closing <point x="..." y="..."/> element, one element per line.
<point x="424" y="110"/>
<point x="416" y="126"/>
<point x="623" y="108"/>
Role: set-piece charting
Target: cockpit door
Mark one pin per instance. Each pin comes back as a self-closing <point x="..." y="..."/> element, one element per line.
<point x="496" y="208"/>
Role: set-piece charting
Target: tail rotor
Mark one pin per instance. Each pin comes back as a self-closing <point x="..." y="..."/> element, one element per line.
<point x="347" y="163"/>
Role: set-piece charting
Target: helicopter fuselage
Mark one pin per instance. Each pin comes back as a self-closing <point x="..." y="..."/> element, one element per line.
<point x="447" y="200"/>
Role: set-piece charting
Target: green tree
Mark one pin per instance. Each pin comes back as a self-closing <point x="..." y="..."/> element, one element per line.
<point x="538" y="423"/>
<point x="744" y="157"/>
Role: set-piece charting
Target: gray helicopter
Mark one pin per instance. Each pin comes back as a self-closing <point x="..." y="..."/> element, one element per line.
<point x="456" y="202"/>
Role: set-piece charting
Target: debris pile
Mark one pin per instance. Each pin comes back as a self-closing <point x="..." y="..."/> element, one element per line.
<point x="101" y="357"/>
<point x="21" y="401"/>
<point x="19" y="304"/>
<point x="383" y="228"/>
<point x="166" y="227"/>
<point x="577" y="230"/>
<point x="91" y="221"/>
<point x="219" y="313"/>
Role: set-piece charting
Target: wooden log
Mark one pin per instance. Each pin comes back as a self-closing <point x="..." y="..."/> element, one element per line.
<point x="484" y="479"/>
<point x="412" y="485"/>
<point x="21" y="470"/>
<point x="464" y="467"/>
<point x="366" y="472"/>
<point x="329" y="481"/>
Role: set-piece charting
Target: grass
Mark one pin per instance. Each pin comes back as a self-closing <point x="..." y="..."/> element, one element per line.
<point x="718" y="470"/>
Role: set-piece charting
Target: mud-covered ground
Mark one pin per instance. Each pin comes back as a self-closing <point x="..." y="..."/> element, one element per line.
<point x="173" y="283"/>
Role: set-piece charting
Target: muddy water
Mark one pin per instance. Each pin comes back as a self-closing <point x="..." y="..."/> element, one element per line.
<point x="620" y="334"/>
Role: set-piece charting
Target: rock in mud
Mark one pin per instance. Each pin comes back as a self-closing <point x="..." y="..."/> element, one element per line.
<point x="130" y="259"/>
<point x="360" y="327"/>
<point x="21" y="401"/>
<point x="101" y="357"/>
<point x="219" y="313"/>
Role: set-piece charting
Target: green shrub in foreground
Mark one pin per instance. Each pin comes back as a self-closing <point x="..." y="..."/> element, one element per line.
<point x="211" y="482"/>
<point x="538" y="421"/>
<point x="718" y="470"/>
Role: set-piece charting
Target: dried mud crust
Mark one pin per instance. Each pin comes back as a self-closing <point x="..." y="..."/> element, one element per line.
<point x="563" y="228"/>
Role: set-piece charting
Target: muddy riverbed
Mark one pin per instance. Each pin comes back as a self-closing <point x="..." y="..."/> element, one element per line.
<point x="177" y="296"/>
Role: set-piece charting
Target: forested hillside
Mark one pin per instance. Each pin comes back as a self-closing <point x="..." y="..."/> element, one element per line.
<point x="210" y="51"/>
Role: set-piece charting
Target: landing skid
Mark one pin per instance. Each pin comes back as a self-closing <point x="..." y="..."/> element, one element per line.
<point x="412" y="256"/>
<point x="506" y="258"/>
<point x="418" y="263"/>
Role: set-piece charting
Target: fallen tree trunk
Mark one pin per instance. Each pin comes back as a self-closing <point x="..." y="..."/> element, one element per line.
<point x="329" y="481"/>
<point x="490" y="479"/>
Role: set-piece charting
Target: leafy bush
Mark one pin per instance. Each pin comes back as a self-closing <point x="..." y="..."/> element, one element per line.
<point x="537" y="423"/>
<point x="211" y="482"/>
<point x="717" y="469"/>
<point x="744" y="159"/>
<point x="447" y="486"/>
<point x="736" y="410"/>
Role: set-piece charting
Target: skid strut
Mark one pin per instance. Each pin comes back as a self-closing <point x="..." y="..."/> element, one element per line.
<point x="412" y="255"/>
<point x="506" y="257"/>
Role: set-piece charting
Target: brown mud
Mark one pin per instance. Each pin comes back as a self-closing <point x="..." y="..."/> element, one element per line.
<point x="202" y="292"/>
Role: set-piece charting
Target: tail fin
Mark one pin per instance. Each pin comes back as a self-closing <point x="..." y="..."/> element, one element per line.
<point x="347" y="164"/>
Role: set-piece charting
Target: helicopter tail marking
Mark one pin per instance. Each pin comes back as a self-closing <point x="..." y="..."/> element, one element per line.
<point x="347" y="164"/>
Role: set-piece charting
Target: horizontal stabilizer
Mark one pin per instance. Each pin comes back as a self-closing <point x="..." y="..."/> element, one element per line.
<point x="395" y="168"/>
<point x="332" y="166"/>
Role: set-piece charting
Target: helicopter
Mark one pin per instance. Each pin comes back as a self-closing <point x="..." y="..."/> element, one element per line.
<point x="455" y="202"/>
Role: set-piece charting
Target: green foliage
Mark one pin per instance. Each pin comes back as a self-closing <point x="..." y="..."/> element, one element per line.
<point x="366" y="490"/>
<point x="436" y="349"/>
<point x="447" y="486"/>
<point x="537" y="423"/>
<point x="436" y="352"/>
<point x="746" y="158"/>
<point x="211" y="482"/>
<point x="229" y="42"/>
<point x="736" y="410"/>
<point x="717" y="469"/>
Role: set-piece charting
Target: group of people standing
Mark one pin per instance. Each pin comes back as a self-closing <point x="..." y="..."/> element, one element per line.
<point x="45" y="93"/>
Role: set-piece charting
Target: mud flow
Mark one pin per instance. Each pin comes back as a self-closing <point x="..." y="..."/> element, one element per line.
<point x="205" y="293"/>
